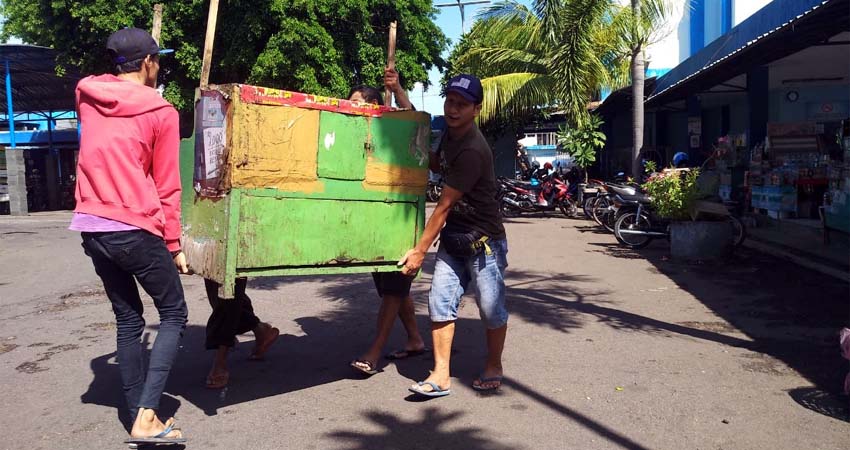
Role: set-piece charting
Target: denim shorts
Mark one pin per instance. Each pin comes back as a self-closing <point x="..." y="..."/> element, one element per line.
<point x="452" y="276"/>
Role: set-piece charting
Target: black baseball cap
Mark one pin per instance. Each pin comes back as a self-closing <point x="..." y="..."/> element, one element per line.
<point x="468" y="86"/>
<point x="130" y="44"/>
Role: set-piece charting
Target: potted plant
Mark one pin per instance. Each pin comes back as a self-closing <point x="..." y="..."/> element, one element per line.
<point x="582" y="143"/>
<point x="674" y="194"/>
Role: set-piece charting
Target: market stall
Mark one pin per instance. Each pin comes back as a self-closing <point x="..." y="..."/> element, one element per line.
<point x="798" y="166"/>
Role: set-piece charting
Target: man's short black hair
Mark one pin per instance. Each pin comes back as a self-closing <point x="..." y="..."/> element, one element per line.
<point x="370" y="94"/>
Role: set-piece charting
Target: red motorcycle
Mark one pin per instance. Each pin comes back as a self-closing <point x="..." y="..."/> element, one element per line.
<point x="517" y="197"/>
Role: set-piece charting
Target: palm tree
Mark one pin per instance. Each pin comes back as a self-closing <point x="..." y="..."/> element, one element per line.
<point x="639" y="26"/>
<point x="558" y="54"/>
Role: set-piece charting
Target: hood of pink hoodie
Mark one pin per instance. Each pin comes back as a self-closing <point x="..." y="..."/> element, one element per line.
<point x="113" y="97"/>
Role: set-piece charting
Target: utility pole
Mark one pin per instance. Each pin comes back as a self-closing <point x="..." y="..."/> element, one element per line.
<point x="460" y="5"/>
<point x="157" y="22"/>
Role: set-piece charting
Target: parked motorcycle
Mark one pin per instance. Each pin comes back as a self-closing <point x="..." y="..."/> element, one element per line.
<point x="637" y="224"/>
<point x="606" y="205"/>
<point x="518" y="197"/>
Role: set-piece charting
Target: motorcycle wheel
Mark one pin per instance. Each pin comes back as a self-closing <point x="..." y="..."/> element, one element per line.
<point x="600" y="206"/>
<point x="739" y="231"/>
<point x="631" y="221"/>
<point x="587" y="207"/>
<point x="509" y="210"/>
<point x="568" y="208"/>
<point x="609" y="220"/>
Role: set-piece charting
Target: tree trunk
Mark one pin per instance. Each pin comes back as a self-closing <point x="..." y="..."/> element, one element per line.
<point x="638" y="78"/>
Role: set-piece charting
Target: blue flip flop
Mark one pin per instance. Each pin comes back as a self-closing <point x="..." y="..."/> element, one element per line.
<point x="436" y="391"/>
<point x="482" y="380"/>
<point x="158" y="439"/>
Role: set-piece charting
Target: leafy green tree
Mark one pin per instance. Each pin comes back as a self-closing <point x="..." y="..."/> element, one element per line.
<point x="320" y="46"/>
<point x="583" y="142"/>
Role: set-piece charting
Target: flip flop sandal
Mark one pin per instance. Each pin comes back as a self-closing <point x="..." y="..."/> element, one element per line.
<point x="363" y="366"/>
<point x="217" y="381"/>
<point x="404" y="354"/>
<point x="260" y="350"/>
<point x="158" y="439"/>
<point x="482" y="380"/>
<point x="436" y="390"/>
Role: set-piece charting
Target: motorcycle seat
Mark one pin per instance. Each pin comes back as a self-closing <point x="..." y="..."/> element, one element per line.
<point x="523" y="184"/>
<point x="637" y="198"/>
<point x="624" y="191"/>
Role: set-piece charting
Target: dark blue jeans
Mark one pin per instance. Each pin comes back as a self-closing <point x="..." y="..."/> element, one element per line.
<point x="120" y="259"/>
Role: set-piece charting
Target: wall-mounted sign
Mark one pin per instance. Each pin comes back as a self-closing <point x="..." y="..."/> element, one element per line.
<point x="694" y="125"/>
<point x="695" y="141"/>
<point x="827" y="111"/>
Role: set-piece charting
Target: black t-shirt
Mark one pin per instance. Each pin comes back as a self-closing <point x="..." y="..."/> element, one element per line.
<point x="467" y="165"/>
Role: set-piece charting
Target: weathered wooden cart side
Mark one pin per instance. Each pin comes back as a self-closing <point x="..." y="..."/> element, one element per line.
<point x="283" y="183"/>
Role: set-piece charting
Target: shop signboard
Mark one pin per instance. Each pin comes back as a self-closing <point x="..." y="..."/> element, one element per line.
<point x="827" y="111"/>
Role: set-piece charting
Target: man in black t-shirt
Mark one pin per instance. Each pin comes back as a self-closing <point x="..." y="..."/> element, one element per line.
<point x="473" y="243"/>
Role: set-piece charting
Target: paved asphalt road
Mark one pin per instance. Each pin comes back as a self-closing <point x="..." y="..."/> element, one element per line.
<point x="607" y="349"/>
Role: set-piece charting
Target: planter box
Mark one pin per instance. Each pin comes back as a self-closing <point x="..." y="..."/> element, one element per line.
<point x="700" y="240"/>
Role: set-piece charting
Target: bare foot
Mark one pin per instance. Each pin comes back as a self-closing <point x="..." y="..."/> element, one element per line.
<point x="148" y="425"/>
<point x="265" y="335"/>
<point x="415" y="344"/>
<point x="217" y="378"/>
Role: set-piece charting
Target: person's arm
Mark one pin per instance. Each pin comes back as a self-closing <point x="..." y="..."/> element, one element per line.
<point x="412" y="260"/>
<point x="391" y="82"/>
<point x="461" y="178"/>
<point x="166" y="176"/>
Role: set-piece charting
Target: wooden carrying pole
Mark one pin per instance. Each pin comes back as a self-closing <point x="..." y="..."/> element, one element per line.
<point x="212" y="18"/>
<point x="388" y="96"/>
<point x="156" y="29"/>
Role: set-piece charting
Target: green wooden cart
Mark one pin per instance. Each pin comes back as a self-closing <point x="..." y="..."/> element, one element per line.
<point x="283" y="183"/>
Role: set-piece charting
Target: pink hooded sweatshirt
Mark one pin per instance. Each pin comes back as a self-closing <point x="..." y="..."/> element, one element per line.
<point x="128" y="168"/>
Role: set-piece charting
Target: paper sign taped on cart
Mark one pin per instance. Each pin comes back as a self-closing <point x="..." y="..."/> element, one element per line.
<point x="288" y="183"/>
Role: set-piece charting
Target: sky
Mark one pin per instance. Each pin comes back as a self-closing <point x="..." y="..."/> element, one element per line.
<point x="448" y="19"/>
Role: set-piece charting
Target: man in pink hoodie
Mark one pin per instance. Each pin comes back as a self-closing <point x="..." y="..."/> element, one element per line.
<point x="128" y="212"/>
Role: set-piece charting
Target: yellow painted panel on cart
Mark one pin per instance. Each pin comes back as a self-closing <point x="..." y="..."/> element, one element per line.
<point x="274" y="147"/>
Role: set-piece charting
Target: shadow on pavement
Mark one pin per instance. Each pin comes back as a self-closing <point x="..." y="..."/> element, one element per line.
<point x="590" y="424"/>
<point x="789" y="313"/>
<point x="821" y="402"/>
<point x="434" y="430"/>
<point x="616" y="251"/>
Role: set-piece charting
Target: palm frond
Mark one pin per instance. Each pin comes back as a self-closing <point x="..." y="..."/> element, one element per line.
<point x="488" y="60"/>
<point x="505" y="9"/>
<point x="515" y="94"/>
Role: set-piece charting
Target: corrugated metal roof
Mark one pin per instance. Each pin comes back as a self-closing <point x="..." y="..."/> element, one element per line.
<point x="781" y="28"/>
<point x="35" y="84"/>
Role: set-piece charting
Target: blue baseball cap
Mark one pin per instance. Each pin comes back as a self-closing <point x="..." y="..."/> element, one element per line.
<point x="130" y="44"/>
<point x="468" y="86"/>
